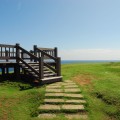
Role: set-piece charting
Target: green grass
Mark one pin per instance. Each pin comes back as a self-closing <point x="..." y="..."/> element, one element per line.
<point x="100" y="84"/>
<point x="19" y="105"/>
<point x="103" y="90"/>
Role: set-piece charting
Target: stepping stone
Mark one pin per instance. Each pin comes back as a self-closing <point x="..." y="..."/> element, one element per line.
<point x="73" y="95"/>
<point x="54" y="85"/>
<point x="49" y="107"/>
<point x="54" y="94"/>
<point x="47" y="115"/>
<point x="73" y="107"/>
<point x="54" y="90"/>
<point x="76" y="116"/>
<point x="50" y="87"/>
<point x="75" y="101"/>
<point x="54" y="101"/>
<point x="72" y="90"/>
<point x="70" y="86"/>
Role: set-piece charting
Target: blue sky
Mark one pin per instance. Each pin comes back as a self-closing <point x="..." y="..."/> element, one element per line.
<point x="91" y="26"/>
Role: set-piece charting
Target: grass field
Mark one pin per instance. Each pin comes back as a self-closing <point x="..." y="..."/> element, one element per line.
<point x="100" y="84"/>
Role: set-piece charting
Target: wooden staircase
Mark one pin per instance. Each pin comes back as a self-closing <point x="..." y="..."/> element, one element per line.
<point x="42" y="64"/>
<point x="48" y="75"/>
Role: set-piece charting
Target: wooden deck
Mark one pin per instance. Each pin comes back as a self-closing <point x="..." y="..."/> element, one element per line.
<point x="41" y="64"/>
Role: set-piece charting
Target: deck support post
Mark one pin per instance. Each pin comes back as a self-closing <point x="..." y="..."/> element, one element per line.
<point x="7" y="70"/>
<point x="55" y="52"/>
<point x="3" y="71"/>
<point x="17" y="71"/>
<point x="58" y="66"/>
<point x="6" y="55"/>
<point x="41" y="68"/>
<point x="17" y="67"/>
<point x="35" y="51"/>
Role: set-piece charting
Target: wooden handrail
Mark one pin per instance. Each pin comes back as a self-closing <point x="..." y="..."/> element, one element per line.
<point x="47" y="65"/>
<point x="40" y="73"/>
<point x="29" y="66"/>
<point x="44" y="53"/>
<point x="30" y="54"/>
<point x="5" y="45"/>
<point x="49" y="49"/>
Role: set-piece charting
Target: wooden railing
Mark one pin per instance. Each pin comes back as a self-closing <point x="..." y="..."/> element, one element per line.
<point x="51" y="56"/>
<point x="43" y="56"/>
<point x="7" y="52"/>
<point x="31" y="56"/>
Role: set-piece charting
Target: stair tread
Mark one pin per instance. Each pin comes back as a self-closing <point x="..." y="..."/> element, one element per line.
<point x="50" y="78"/>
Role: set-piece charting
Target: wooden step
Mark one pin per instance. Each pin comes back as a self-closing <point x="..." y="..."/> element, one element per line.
<point x="47" y="72"/>
<point x="51" y="74"/>
<point x="51" y="79"/>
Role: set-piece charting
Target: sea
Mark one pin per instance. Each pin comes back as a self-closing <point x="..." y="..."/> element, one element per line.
<point x="87" y="61"/>
<point x="81" y="61"/>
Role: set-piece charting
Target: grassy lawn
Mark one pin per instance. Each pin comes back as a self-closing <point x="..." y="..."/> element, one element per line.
<point x="100" y="84"/>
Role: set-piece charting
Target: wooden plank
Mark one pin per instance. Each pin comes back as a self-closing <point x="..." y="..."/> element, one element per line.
<point x="46" y="48"/>
<point x="47" y="65"/>
<point x="44" y="53"/>
<point x="5" y="45"/>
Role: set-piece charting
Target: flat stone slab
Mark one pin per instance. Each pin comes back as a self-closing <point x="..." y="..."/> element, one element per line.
<point x="55" y="86"/>
<point x="46" y="115"/>
<point x="49" y="107"/>
<point x="75" y="101"/>
<point x="76" y="116"/>
<point x="73" y="107"/>
<point x="73" y="95"/>
<point x="54" y="90"/>
<point x="70" y="86"/>
<point x="54" y="94"/>
<point x="54" y="100"/>
<point x="68" y="83"/>
<point x="72" y="90"/>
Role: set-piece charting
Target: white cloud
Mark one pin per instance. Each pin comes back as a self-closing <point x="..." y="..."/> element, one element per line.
<point x="90" y="54"/>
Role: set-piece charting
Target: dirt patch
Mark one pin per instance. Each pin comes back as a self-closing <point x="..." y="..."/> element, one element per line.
<point x="83" y="79"/>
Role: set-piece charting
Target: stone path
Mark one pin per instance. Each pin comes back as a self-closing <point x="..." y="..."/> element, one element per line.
<point x="63" y="99"/>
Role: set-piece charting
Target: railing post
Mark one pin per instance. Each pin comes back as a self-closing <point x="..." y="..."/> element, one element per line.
<point x="22" y="55"/>
<point x="6" y="55"/>
<point x="17" y="67"/>
<point x="30" y="56"/>
<point x="58" y="66"/>
<point x="17" y="52"/>
<point x="41" y="68"/>
<point x="35" y="51"/>
<point x="55" y="52"/>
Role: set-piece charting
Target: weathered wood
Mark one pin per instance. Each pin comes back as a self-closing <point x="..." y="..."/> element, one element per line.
<point x="44" y="53"/>
<point x="58" y="66"/>
<point x="5" y="45"/>
<point x="41" y="68"/>
<point x="53" y="69"/>
<point x="28" y="66"/>
<point x="6" y="55"/>
<point x="35" y="51"/>
<point x="36" y="69"/>
<point x="17" y="53"/>
<point x="55" y="52"/>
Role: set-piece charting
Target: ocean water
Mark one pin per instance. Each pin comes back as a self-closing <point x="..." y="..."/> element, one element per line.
<point x="87" y="61"/>
<point x="80" y="61"/>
